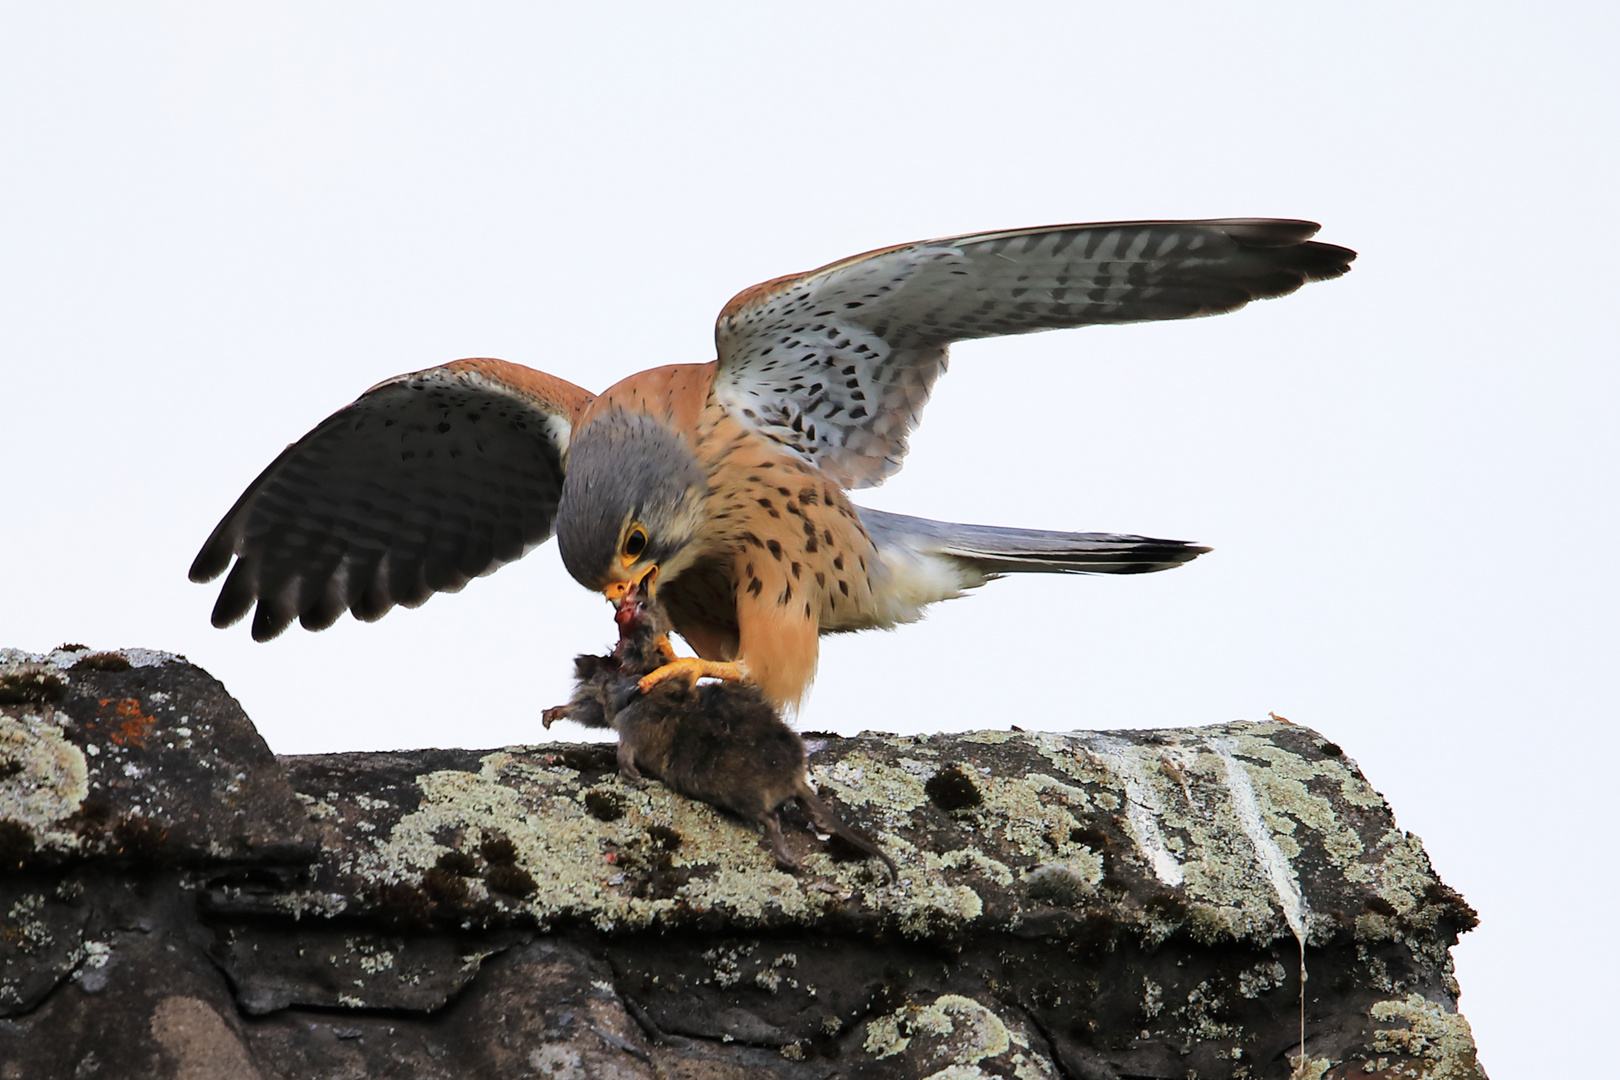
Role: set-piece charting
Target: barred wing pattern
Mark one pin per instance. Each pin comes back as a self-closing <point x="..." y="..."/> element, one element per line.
<point x="837" y="363"/>
<point x="425" y="482"/>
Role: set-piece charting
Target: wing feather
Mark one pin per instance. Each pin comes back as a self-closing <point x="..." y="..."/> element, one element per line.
<point x="837" y="363"/>
<point x="425" y="482"/>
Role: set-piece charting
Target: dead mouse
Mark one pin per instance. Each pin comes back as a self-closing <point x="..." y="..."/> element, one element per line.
<point x="721" y="743"/>
<point x="604" y="685"/>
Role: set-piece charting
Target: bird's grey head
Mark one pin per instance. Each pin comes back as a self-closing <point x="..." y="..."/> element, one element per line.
<point x="632" y="500"/>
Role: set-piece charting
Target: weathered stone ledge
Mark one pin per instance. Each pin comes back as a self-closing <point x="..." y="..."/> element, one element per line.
<point x="177" y="901"/>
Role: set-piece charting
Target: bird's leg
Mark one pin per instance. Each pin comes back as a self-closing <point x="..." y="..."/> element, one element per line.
<point x="665" y="649"/>
<point x="694" y="669"/>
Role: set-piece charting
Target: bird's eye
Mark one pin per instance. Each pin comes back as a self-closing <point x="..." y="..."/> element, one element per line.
<point x="635" y="542"/>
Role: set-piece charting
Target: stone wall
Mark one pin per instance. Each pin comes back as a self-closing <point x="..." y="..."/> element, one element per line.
<point x="178" y="902"/>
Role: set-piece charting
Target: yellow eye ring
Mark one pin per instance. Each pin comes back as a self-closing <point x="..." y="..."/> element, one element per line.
<point x="635" y="542"/>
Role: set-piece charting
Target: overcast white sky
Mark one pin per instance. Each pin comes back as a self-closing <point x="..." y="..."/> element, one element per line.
<point x="219" y="224"/>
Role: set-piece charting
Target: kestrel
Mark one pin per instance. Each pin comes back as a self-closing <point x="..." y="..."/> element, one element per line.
<point x="721" y="488"/>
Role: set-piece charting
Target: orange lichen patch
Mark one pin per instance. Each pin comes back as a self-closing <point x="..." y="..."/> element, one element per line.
<point x="133" y="724"/>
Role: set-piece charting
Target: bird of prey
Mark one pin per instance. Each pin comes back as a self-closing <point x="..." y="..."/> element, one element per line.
<point x="721" y="488"/>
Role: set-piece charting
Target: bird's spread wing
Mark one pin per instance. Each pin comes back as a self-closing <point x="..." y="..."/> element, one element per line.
<point x="425" y="482"/>
<point x="837" y="363"/>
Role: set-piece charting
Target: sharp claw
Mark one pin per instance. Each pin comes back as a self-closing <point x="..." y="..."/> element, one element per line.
<point x="693" y="669"/>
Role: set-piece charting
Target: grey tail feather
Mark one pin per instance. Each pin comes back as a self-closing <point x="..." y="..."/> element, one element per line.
<point x="991" y="549"/>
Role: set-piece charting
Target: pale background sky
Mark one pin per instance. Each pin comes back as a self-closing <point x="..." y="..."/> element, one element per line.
<point x="218" y="225"/>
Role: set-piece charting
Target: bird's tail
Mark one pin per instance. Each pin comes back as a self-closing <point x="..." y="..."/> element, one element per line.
<point x="990" y="551"/>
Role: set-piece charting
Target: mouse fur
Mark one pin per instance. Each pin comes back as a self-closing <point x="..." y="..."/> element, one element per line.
<point x="721" y="743"/>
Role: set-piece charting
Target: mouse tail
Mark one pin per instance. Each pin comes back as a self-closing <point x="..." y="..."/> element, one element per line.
<point x="828" y="822"/>
<point x="779" y="848"/>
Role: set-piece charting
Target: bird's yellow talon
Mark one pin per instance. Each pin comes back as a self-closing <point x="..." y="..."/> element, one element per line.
<point x="665" y="649"/>
<point x="694" y="669"/>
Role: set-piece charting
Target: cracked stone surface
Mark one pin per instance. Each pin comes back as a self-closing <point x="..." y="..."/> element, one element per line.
<point x="176" y="901"/>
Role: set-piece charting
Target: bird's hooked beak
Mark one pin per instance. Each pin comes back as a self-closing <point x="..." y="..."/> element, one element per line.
<point x="638" y="589"/>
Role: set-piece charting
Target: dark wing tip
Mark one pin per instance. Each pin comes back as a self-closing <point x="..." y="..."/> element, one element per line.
<point x="1315" y="261"/>
<point x="1172" y="553"/>
<point x="1327" y="261"/>
<point x="270" y="618"/>
<point x="1266" y="232"/>
<point x="1291" y="239"/>
<point x="423" y="483"/>
<point x="321" y="599"/>
<point x="322" y="615"/>
<point x="372" y="606"/>
<point x="236" y="596"/>
<point x="211" y="561"/>
<point x="1148" y="554"/>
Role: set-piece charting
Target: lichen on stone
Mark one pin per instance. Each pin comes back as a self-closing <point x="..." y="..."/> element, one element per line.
<point x="859" y="779"/>
<point x="1067" y="883"/>
<point x="952" y="1035"/>
<point x="1433" y="1033"/>
<point x="1064" y="870"/>
<point x="46" y="779"/>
